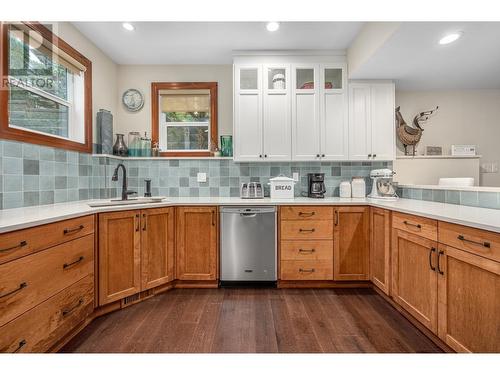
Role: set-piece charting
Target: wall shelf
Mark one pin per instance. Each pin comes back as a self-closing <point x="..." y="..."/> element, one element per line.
<point x="438" y="157"/>
<point x="162" y="157"/>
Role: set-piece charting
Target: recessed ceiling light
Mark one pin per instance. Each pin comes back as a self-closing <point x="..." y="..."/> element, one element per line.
<point x="450" y="38"/>
<point x="272" y="26"/>
<point x="128" y="26"/>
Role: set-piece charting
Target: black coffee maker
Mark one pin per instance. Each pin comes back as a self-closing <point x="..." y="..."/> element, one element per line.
<point x="316" y="185"/>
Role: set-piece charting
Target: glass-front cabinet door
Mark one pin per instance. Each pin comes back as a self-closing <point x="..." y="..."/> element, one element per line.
<point x="277" y="119"/>
<point x="305" y="112"/>
<point x="332" y="78"/>
<point x="248" y="113"/>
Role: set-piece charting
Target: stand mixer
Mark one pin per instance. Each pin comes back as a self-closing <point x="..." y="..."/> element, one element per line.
<point x="383" y="186"/>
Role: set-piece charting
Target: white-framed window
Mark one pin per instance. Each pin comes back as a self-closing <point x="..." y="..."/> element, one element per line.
<point x="185" y="120"/>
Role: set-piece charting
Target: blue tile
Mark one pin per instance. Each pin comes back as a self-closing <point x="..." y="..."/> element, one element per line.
<point x="452" y="197"/>
<point x="13" y="199"/>
<point x="427" y="194"/>
<point x="31" y="151"/>
<point x="12" y="183"/>
<point x="13" y="149"/>
<point x="12" y="165"/>
<point x="31" y="183"/>
<point x="469" y="198"/>
<point x="47" y="168"/>
<point x="46" y="153"/>
<point x="47" y="182"/>
<point x="47" y="197"/>
<point x="489" y="200"/>
<point x="438" y="196"/>
<point x="31" y="198"/>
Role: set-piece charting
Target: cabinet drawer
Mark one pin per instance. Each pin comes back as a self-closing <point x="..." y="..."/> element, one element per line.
<point x="415" y="224"/>
<point x="41" y="327"/>
<point x="28" y="281"/>
<point x="476" y="241"/>
<point x="306" y="213"/>
<point x="306" y="270"/>
<point x="307" y="250"/>
<point x="307" y="230"/>
<point x="14" y="245"/>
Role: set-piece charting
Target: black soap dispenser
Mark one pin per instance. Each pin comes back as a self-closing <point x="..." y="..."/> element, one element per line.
<point x="147" y="193"/>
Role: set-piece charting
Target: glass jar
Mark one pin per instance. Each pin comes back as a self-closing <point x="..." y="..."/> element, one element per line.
<point x="146" y="146"/>
<point x="134" y="144"/>
<point x="226" y="145"/>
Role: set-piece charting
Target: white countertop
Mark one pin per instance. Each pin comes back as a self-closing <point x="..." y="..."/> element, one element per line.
<point x="482" y="218"/>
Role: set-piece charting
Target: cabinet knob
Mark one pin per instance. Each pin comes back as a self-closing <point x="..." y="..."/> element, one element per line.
<point x="369" y="156"/>
<point x="317" y="155"/>
<point x="265" y="155"/>
<point x="374" y="155"/>
<point x="260" y="156"/>
<point x="322" y="155"/>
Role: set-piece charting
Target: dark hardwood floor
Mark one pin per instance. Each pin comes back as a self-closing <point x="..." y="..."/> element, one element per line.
<point x="255" y="321"/>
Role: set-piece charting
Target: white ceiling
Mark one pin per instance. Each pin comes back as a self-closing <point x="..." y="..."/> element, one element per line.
<point x="211" y="42"/>
<point x="414" y="59"/>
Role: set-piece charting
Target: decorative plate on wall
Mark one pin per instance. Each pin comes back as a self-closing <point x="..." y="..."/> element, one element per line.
<point x="133" y="100"/>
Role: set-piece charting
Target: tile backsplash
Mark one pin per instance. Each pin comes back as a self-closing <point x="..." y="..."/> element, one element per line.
<point x="33" y="175"/>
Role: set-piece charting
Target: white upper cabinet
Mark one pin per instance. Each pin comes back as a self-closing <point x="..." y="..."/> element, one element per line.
<point x="247" y="133"/>
<point x="290" y="108"/>
<point x="334" y="130"/>
<point x="371" y="121"/>
<point x="305" y="112"/>
<point x="276" y="126"/>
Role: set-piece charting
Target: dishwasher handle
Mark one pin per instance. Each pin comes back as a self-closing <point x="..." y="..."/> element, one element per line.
<point x="242" y="214"/>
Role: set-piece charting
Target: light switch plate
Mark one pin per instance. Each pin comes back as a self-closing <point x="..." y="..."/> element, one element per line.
<point x="296" y="176"/>
<point x="201" y="177"/>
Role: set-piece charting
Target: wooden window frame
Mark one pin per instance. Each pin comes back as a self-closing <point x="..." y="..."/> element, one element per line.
<point x="16" y="134"/>
<point x="155" y="118"/>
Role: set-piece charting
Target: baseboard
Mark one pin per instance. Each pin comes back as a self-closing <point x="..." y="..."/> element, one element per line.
<point x="196" y="284"/>
<point x="322" y="284"/>
<point x="430" y="335"/>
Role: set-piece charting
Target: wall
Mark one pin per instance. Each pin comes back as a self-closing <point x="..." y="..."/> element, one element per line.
<point x="464" y="117"/>
<point x="104" y="70"/>
<point x="141" y="76"/>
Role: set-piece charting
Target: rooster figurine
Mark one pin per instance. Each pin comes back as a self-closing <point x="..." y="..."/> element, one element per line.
<point x="409" y="135"/>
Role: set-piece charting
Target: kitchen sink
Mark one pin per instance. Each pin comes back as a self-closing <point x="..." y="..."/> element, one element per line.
<point x="130" y="201"/>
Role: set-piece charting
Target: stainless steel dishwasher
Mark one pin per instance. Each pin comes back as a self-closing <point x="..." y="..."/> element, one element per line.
<point x="248" y="245"/>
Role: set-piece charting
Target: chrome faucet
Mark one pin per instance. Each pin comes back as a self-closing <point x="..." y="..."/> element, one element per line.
<point x="125" y="191"/>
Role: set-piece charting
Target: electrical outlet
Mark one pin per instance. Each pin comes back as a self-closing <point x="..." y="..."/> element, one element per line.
<point x="296" y="176"/>
<point x="201" y="177"/>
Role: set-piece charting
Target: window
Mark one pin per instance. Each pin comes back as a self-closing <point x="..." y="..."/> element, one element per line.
<point x="46" y="89"/>
<point x="185" y="118"/>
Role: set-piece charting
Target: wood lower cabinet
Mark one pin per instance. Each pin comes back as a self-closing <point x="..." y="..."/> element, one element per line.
<point x="157" y="246"/>
<point x="380" y="248"/>
<point x="136" y="252"/>
<point x="414" y="276"/>
<point x="119" y="255"/>
<point x="197" y="239"/>
<point x="351" y="248"/>
<point x="469" y="301"/>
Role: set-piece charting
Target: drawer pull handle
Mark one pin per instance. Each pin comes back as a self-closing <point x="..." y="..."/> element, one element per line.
<point x="439" y="265"/>
<point x="307" y="230"/>
<point x="21" y="287"/>
<point x="145" y="218"/>
<point x="67" y="265"/>
<point x="71" y="309"/>
<point x="337" y="218"/>
<point x="20" y="345"/>
<point x="484" y="244"/>
<point x="21" y="244"/>
<point x="413" y="225"/>
<point x="308" y="251"/>
<point x="433" y="250"/>
<point x="307" y="214"/>
<point x="306" y="270"/>
<point x="73" y="230"/>
<point x="138" y="222"/>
